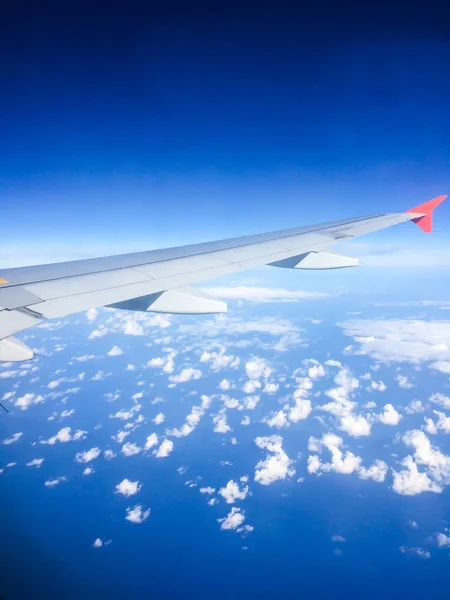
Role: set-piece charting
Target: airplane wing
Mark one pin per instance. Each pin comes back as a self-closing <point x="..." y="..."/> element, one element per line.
<point x="158" y="280"/>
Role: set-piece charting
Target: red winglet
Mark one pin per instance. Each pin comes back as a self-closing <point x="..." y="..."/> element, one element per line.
<point x="425" y="222"/>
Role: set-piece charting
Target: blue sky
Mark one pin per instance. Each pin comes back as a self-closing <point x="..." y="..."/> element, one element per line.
<point x="124" y="131"/>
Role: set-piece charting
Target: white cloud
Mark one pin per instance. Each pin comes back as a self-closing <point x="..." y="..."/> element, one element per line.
<point x="186" y="375"/>
<point x="160" y="418"/>
<point x="88" y="471"/>
<point x="98" y="333"/>
<point x="262" y="295"/>
<point x="137" y="514"/>
<point x="25" y="401"/>
<point x="442" y="400"/>
<point x="100" y="376"/>
<point x="220" y="360"/>
<point x="65" y="435"/>
<point x="442" y="424"/>
<point x="132" y="327"/>
<point x="207" y="490"/>
<point x="356" y="425"/>
<point x="128" y="488"/>
<point x="126" y="415"/>
<point x="271" y="388"/>
<point x="278" y="420"/>
<point x="251" y="386"/>
<point x="379" y="386"/>
<point x="91" y="315"/>
<point x="97" y="543"/>
<point x="316" y="371"/>
<point x="300" y="411"/>
<point x="249" y="403"/>
<point x="410" y="481"/>
<point x="441" y="365"/>
<point x="245" y="420"/>
<point x="164" y="450"/>
<point x="257" y="368"/>
<point x="224" y="385"/>
<point x="277" y="465"/>
<point x="340" y="463"/>
<point x="390" y="416"/>
<point x="341" y="404"/>
<point x="53" y="482"/>
<point x="415" y="551"/>
<point x="333" y="363"/>
<point x="36" y="462"/>
<point x="109" y="454"/>
<point x="220" y="423"/>
<point x="88" y="455"/>
<point x="84" y="358"/>
<point x="8" y="374"/>
<point x="67" y="413"/>
<point x="115" y="351"/>
<point x="232" y="492"/>
<point x="437" y="463"/>
<point x="443" y="541"/>
<point x="415" y="406"/>
<point x="151" y="441"/>
<point x="233" y="520"/>
<point x="192" y="419"/>
<point x="397" y="340"/>
<point x="129" y="449"/>
<point x="403" y="382"/>
<point x="120" y="436"/>
<point x="13" y="439"/>
<point x="377" y="471"/>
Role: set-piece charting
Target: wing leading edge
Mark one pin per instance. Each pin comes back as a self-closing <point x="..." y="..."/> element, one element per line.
<point x="158" y="281"/>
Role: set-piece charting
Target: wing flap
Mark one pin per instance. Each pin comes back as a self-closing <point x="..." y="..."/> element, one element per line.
<point x="181" y="301"/>
<point x="12" y="350"/>
<point x="316" y="261"/>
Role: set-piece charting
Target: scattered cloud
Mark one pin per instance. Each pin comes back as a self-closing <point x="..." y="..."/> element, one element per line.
<point x="25" y="401"/>
<point x="401" y="340"/>
<point x="128" y="488"/>
<point x="36" y="462"/>
<point x="233" y="520"/>
<point x="232" y="492"/>
<point x="263" y="295"/>
<point x="164" y="450"/>
<point x="390" y="416"/>
<point x="13" y="439"/>
<point x="54" y="482"/>
<point x="65" y="435"/>
<point x="137" y="514"/>
<point x="88" y="455"/>
<point x="277" y="465"/>
<point x="115" y="351"/>
<point x="129" y="449"/>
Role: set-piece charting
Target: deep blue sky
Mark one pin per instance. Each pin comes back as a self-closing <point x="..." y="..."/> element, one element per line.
<point x="131" y="126"/>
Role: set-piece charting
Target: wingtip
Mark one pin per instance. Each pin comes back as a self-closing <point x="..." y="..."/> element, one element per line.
<point x="425" y="210"/>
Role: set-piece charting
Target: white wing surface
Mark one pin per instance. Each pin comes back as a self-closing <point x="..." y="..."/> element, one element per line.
<point x="158" y="280"/>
